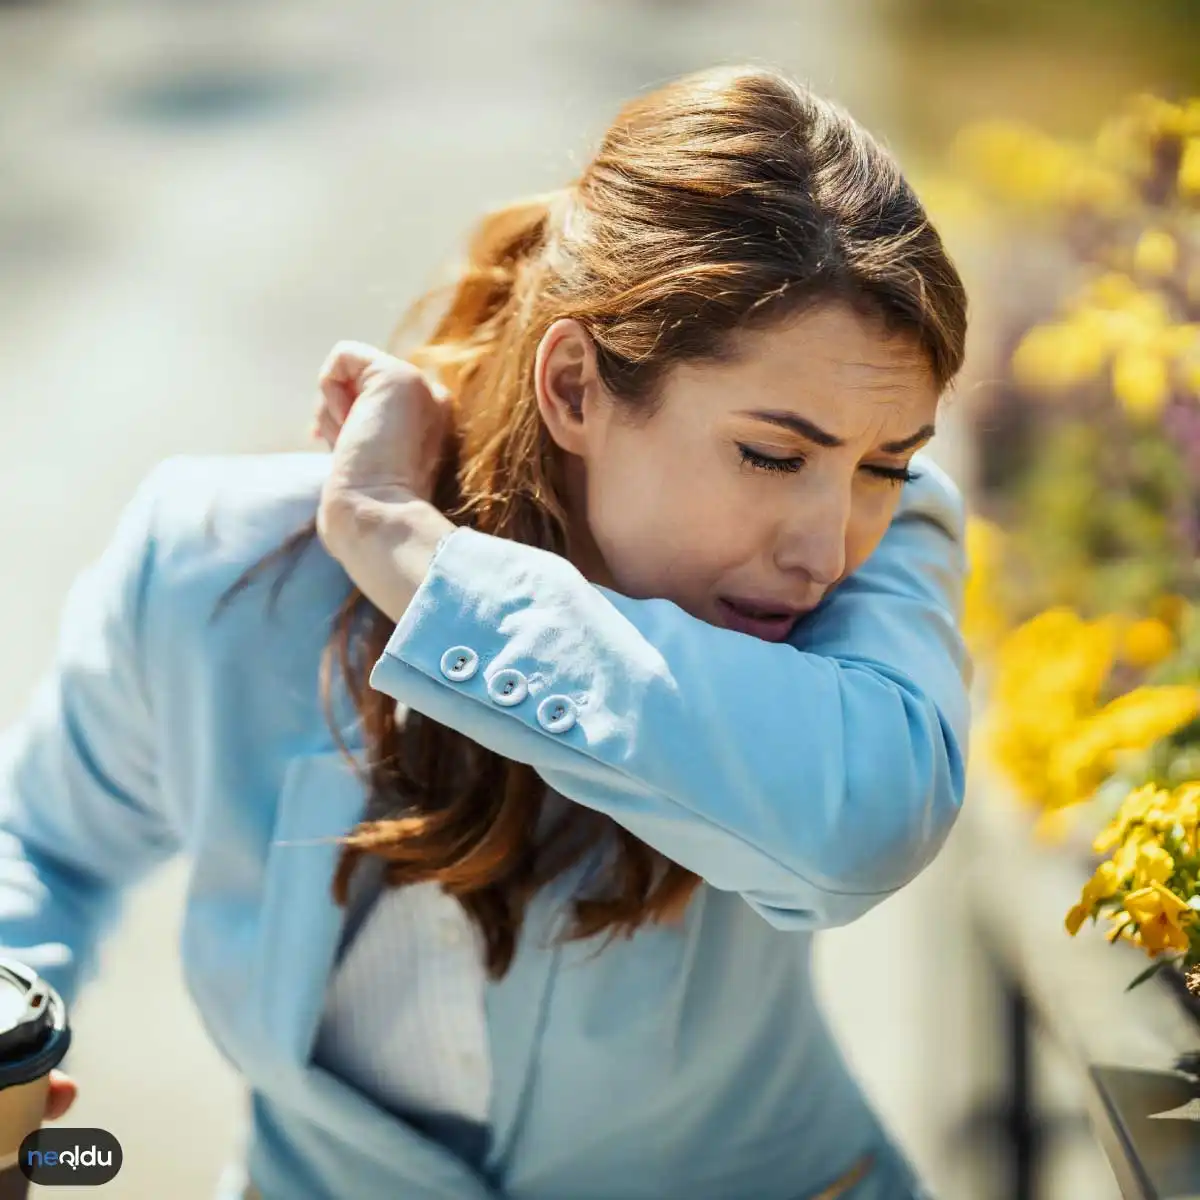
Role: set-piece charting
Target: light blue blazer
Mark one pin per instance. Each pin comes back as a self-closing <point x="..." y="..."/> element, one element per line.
<point x="804" y="782"/>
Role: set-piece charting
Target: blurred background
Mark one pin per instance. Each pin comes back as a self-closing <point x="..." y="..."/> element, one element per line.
<point x="198" y="199"/>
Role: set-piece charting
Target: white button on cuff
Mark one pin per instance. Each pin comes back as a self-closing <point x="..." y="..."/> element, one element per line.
<point x="508" y="687"/>
<point x="459" y="663"/>
<point x="556" y="714"/>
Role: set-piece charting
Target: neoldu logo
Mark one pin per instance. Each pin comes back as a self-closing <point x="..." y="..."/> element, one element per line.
<point x="69" y="1157"/>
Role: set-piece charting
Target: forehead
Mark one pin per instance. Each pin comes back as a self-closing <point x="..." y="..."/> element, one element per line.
<point x="832" y="348"/>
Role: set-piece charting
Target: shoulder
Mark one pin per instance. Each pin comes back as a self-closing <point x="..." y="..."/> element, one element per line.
<point x="230" y="505"/>
<point x="933" y="496"/>
<point x="204" y="521"/>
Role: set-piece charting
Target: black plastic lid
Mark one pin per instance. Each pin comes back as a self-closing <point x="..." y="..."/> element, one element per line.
<point x="34" y="1034"/>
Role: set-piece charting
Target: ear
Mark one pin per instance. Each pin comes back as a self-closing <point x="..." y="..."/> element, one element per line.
<point x="568" y="384"/>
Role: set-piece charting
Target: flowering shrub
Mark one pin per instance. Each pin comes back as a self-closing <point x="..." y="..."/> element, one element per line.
<point x="1149" y="887"/>
<point x="1089" y="444"/>
<point x="1087" y="607"/>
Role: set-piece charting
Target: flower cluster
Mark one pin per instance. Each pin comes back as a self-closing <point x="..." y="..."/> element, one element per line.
<point x="1086" y="608"/>
<point x="1108" y="710"/>
<point x="1153" y="844"/>
<point x="1089" y="443"/>
<point x="1049" y="725"/>
<point x="1113" y="324"/>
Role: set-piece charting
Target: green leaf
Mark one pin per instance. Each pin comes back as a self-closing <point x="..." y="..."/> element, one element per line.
<point x="1153" y="969"/>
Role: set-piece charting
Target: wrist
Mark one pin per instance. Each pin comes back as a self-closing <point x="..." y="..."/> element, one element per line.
<point x="386" y="542"/>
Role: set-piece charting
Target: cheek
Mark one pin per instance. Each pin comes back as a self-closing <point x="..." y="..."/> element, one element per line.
<point x="660" y="531"/>
<point x="867" y="530"/>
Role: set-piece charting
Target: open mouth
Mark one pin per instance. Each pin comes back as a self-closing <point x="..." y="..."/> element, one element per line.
<point x="760" y="613"/>
<point x="770" y="625"/>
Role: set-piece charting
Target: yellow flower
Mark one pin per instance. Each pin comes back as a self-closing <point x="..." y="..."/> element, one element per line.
<point x="1171" y="609"/>
<point x="950" y="201"/>
<point x="1122" y="144"/>
<point x="1147" y="643"/>
<point x="1111" y="290"/>
<point x="1059" y="356"/>
<point x="1161" y="918"/>
<point x="984" y="619"/>
<point x="1125" y="857"/>
<point x="1148" y="807"/>
<point x="1084" y="758"/>
<point x="1176" y="341"/>
<point x="1094" y="186"/>
<point x="1152" y="864"/>
<point x="1176" y="813"/>
<point x="1185" y="808"/>
<point x="1141" y="382"/>
<point x="1121" y="923"/>
<point x="1017" y="162"/>
<point x="1141" y="717"/>
<point x="1156" y="253"/>
<point x="1103" y="883"/>
<point x="1057" y="656"/>
<point x="1080" y="761"/>
<point x="1049" y="672"/>
<point x="1189" y="168"/>
<point x="1135" y="321"/>
<point x="1158" y="116"/>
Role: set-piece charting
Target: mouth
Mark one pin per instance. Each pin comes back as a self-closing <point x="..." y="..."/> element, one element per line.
<point x="760" y="619"/>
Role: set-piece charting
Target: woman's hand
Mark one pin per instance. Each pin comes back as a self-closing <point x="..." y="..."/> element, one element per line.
<point x="387" y="428"/>
<point x="384" y="422"/>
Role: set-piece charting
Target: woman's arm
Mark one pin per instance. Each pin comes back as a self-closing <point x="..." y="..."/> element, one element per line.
<point x="815" y="778"/>
<point x="80" y="818"/>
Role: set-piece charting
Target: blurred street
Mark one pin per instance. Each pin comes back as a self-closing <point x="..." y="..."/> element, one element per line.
<point x="196" y="201"/>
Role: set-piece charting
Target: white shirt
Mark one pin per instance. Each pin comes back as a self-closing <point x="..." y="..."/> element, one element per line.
<point x="404" y="1016"/>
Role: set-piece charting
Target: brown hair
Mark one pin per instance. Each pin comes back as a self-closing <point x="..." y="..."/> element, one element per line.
<point x="727" y="200"/>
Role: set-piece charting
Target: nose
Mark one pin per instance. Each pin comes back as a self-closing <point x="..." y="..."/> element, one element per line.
<point x="814" y="542"/>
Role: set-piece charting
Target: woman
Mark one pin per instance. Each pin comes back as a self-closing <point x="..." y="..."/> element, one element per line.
<point x="591" y="712"/>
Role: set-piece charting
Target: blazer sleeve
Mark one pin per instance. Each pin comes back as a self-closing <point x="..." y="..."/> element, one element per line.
<point x="80" y="818"/>
<point x="814" y="777"/>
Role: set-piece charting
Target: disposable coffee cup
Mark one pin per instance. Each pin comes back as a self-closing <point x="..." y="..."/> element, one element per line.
<point x="34" y="1036"/>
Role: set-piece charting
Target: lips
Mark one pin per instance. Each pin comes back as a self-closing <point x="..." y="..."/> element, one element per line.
<point x="757" y="618"/>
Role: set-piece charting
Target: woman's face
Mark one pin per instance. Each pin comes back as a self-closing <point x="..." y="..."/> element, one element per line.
<point x="758" y="485"/>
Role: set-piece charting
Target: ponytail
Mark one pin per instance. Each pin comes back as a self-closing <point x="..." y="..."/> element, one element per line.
<point x="501" y="248"/>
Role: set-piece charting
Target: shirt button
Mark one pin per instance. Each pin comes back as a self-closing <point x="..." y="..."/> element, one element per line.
<point x="459" y="663"/>
<point x="508" y="687"/>
<point x="556" y="714"/>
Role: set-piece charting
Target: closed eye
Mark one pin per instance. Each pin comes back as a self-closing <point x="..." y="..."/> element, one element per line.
<point x="789" y="466"/>
<point x="765" y="463"/>
<point x="895" y="474"/>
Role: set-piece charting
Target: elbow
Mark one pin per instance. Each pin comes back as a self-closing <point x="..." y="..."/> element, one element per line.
<point x="872" y="813"/>
<point x="894" y="805"/>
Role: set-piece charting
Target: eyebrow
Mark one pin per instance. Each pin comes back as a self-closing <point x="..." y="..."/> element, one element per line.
<point x="814" y="433"/>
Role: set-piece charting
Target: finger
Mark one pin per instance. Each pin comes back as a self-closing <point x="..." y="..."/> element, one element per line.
<point x="339" y="396"/>
<point x="320" y="409"/>
<point x="340" y="377"/>
<point x="348" y="359"/>
<point x="328" y="429"/>
<point x="63" y="1091"/>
